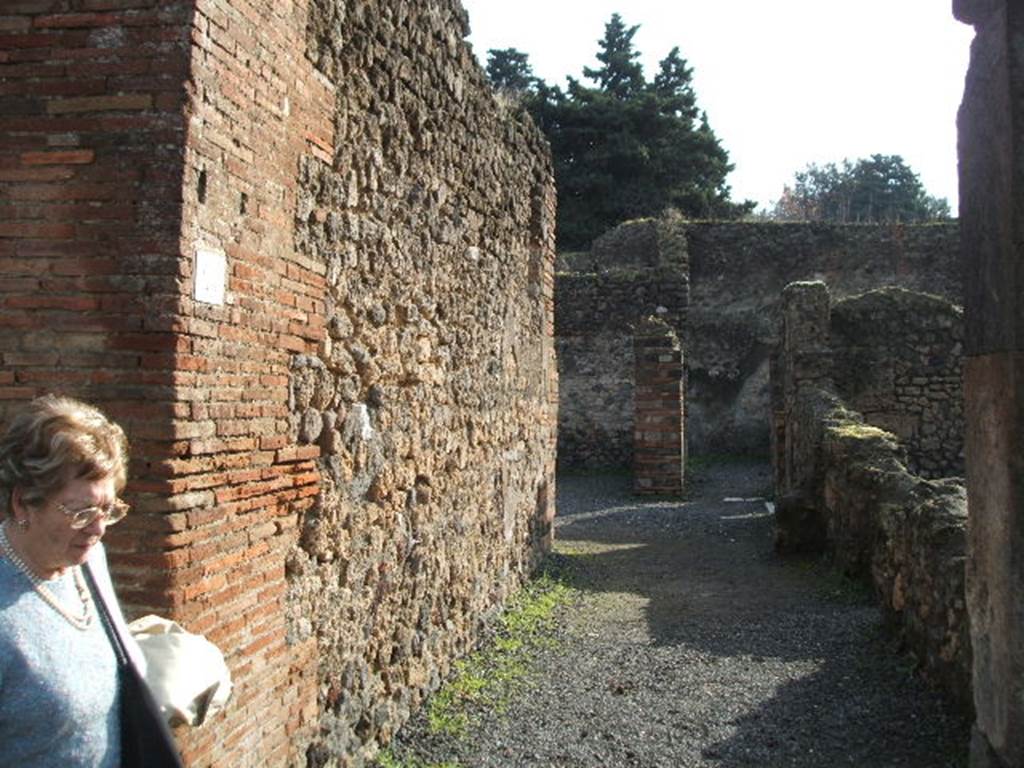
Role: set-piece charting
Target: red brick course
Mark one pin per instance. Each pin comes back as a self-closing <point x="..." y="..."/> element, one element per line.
<point x="132" y="134"/>
<point x="99" y="224"/>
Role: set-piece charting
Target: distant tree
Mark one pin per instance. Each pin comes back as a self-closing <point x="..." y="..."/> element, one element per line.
<point x="629" y="148"/>
<point x="509" y="69"/>
<point x="621" y="75"/>
<point x="881" y="188"/>
<point x="673" y="85"/>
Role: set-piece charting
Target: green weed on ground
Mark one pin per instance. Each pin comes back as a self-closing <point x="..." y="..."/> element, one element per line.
<point x="489" y="677"/>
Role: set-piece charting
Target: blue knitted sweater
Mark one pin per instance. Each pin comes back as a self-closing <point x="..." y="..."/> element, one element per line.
<point x="59" y="692"/>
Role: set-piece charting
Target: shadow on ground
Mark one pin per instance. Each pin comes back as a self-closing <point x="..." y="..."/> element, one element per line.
<point x="693" y="645"/>
<point x="796" y="655"/>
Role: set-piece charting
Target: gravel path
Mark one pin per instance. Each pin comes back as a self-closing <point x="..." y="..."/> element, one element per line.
<point x="692" y="644"/>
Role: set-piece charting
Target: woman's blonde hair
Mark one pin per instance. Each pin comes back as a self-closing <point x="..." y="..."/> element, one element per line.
<point x="54" y="440"/>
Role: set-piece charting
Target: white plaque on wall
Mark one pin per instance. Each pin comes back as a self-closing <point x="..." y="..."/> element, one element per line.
<point x="210" y="275"/>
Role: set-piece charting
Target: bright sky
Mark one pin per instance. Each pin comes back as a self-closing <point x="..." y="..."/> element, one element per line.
<point x="784" y="83"/>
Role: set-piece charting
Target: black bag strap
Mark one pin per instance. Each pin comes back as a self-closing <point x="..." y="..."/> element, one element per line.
<point x="120" y="651"/>
<point x="146" y="739"/>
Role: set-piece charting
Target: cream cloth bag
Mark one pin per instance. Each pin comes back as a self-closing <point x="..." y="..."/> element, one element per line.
<point x="185" y="672"/>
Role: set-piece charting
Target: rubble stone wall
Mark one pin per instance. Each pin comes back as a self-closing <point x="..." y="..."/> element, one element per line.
<point x="737" y="272"/>
<point x="432" y="397"/>
<point x="305" y="255"/>
<point x="843" y="487"/>
<point x="596" y="313"/>
<point x="734" y="275"/>
<point x="897" y="359"/>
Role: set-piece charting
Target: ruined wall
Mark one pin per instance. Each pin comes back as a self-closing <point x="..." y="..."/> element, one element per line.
<point x="432" y="396"/>
<point x="842" y="486"/>
<point x="596" y="311"/>
<point x="736" y="272"/>
<point x="343" y="459"/>
<point x="897" y="359"/>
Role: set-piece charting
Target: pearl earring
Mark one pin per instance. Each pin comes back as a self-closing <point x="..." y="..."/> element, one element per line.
<point x="23" y="524"/>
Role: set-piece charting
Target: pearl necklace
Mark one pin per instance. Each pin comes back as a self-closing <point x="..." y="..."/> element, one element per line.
<point x="78" y="622"/>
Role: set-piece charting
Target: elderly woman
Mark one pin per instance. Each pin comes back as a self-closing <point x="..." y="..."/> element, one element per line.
<point x="62" y="465"/>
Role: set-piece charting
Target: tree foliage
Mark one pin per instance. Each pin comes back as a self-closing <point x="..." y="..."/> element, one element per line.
<point x="624" y="148"/>
<point x="510" y="70"/>
<point x="620" y="75"/>
<point x="881" y="188"/>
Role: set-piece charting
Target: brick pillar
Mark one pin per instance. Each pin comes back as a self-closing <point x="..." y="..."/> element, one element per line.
<point x="991" y="128"/>
<point x="658" y="445"/>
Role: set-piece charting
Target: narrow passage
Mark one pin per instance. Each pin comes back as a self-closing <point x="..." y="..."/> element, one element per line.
<point x="691" y="643"/>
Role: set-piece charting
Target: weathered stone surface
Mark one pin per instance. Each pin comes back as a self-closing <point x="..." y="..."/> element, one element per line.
<point x="897" y="359"/>
<point x="799" y="525"/>
<point x="728" y="280"/>
<point x="595" y="413"/>
<point x="995" y="477"/>
<point x="432" y="396"/>
<point x="843" y="485"/>
<point x="737" y="274"/>
<point x="991" y="138"/>
<point x="595" y="314"/>
<point x="908" y="536"/>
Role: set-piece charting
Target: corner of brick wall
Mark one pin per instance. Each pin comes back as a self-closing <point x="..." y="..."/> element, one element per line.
<point x="257" y="110"/>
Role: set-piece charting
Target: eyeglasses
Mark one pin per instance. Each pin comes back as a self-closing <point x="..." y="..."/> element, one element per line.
<point x="82" y="518"/>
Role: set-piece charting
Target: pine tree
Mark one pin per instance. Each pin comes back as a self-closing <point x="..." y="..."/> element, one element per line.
<point x="509" y="69"/>
<point x="627" y="148"/>
<point x="621" y="76"/>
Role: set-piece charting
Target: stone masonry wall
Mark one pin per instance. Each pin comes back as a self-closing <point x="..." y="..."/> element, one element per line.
<point x="897" y="359"/>
<point x="432" y="396"/>
<point x="735" y="274"/>
<point x="595" y="314"/>
<point x="842" y="485"/>
<point x="343" y="459"/>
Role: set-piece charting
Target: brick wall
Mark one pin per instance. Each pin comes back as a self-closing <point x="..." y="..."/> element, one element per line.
<point x="382" y="278"/>
<point x="91" y="128"/>
<point x="256" y="110"/>
<point x="658" y="438"/>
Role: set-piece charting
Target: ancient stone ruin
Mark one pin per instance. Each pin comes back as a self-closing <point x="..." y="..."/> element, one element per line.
<point x="860" y="391"/>
<point x="717" y="284"/>
<point x="991" y="144"/>
<point x="304" y="254"/>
